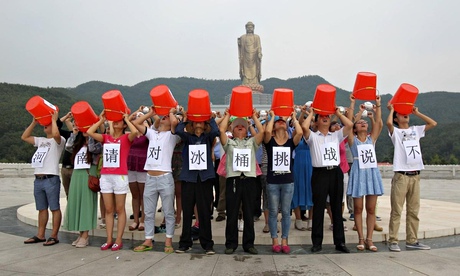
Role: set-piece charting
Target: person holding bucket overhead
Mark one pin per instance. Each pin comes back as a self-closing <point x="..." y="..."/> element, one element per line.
<point x="280" y="179"/>
<point x="47" y="184"/>
<point x="81" y="209"/>
<point x="197" y="169"/>
<point x="327" y="177"/>
<point x="240" y="188"/>
<point x="114" y="174"/>
<point x="365" y="179"/>
<point x="407" y="164"/>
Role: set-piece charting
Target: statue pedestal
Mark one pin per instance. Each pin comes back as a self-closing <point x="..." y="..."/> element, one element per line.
<point x="257" y="99"/>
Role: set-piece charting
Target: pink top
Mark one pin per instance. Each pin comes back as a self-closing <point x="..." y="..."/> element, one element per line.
<point x="125" y="145"/>
<point x="343" y="157"/>
<point x="138" y="154"/>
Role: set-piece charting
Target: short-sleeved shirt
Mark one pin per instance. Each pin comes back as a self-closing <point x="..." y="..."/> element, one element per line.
<point x="125" y="145"/>
<point x="413" y="133"/>
<point x="229" y="147"/>
<point x="317" y="139"/>
<point x="161" y="147"/>
<point x="51" y="161"/>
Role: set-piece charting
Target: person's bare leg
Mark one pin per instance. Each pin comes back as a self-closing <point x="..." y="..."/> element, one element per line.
<point x="109" y="202"/>
<point x="120" y="201"/>
<point x="57" y="217"/>
<point x="42" y="221"/>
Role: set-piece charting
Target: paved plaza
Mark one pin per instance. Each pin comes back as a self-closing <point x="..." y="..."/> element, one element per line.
<point x="440" y="224"/>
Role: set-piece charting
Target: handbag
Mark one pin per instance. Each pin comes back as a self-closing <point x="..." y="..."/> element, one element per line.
<point x="93" y="183"/>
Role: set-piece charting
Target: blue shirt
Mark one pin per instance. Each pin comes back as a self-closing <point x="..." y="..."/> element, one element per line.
<point x="191" y="139"/>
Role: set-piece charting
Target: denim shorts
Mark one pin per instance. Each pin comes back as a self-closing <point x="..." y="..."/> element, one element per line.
<point x="47" y="192"/>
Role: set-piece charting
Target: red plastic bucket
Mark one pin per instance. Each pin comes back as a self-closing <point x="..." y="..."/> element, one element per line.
<point x="83" y="115"/>
<point x="162" y="99"/>
<point x="41" y="110"/>
<point x="324" y="100"/>
<point x="365" y="86"/>
<point x="283" y="101"/>
<point x="404" y="99"/>
<point x="199" y="106"/>
<point x="114" y="105"/>
<point x="241" y="102"/>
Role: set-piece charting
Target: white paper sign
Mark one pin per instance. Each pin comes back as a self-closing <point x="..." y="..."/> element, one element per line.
<point x="39" y="157"/>
<point x="241" y="160"/>
<point x="281" y="160"/>
<point x="197" y="157"/>
<point x="111" y="155"/>
<point x="366" y="156"/>
<point x="154" y="154"/>
<point x="413" y="152"/>
<point x="330" y="155"/>
<point x="80" y="159"/>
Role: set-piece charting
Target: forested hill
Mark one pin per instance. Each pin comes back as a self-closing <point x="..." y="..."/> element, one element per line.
<point x="441" y="145"/>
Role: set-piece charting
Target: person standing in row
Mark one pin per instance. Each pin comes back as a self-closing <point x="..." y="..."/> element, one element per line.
<point x="114" y="175"/>
<point x="365" y="179"/>
<point x="327" y="177"/>
<point x="197" y="178"/>
<point x="405" y="185"/>
<point x="240" y="186"/>
<point x="159" y="179"/>
<point x="280" y="180"/>
<point x="47" y="184"/>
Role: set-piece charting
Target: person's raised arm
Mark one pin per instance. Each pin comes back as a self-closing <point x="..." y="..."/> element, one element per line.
<point x="260" y="135"/>
<point x="390" y="118"/>
<point x="347" y="123"/>
<point x="430" y="123"/>
<point x="54" y="128"/>
<point x="133" y="130"/>
<point x="351" y="109"/>
<point x="377" y="120"/>
<point x="173" y="119"/>
<point x="298" y="129"/>
<point x="269" y="127"/>
<point x="27" y="134"/>
<point x="139" y="122"/>
<point x="306" y="125"/>
<point x="92" y="130"/>
<point x="223" y="127"/>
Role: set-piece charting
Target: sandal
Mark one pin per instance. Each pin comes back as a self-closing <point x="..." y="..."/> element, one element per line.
<point x="34" y="239"/>
<point x="372" y="247"/>
<point x="51" y="241"/>
<point x="141" y="227"/>
<point x="169" y="249"/>
<point x="133" y="226"/>
<point x="360" y="246"/>
<point x="143" y="248"/>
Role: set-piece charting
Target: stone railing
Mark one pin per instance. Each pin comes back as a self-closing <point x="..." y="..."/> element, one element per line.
<point x="430" y="172"/>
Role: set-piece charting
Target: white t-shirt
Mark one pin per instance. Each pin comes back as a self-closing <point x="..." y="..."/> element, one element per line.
<point x="317" y="141"/>
<point x="51" y="160"/>
<point x="160" y="150"/>
<point x="407" y="145"/>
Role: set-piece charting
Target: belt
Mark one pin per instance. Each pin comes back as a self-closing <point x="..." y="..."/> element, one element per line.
<point x="68" y="167"/>
<point x="45" y="176"/>
<point x="327" y="168"/>
<point x="410" y="173"/>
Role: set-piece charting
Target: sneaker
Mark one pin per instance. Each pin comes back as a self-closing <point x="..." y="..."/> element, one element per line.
<point x="252" y="250"/>
<point x="352" y="217"/>
<point x="377" y="218"/>
<point x="345" y="228"/>
<point x="394" y="247"/>
<point x="417" y="245"/>
<point x="344" y="219"/>
<point x="240" y="225"/>
<point x="210" y="252"/>
<point x="183" y="249"/>
<point x="229" y="251"/>
<point x="256" y="218"/>
<point x="220" y="218"/>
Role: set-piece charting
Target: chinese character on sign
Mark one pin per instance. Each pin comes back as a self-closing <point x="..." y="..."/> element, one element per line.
<point x="154" y="153"/>
<point x="281" y="159"/>
<point x="242" y="160"/>
<point x="111" y="155"/>
<point x="413" y="151"/>
<point x="367" y="156"/>
<point x="197" y="157"/>
<point x="330" y="154"/>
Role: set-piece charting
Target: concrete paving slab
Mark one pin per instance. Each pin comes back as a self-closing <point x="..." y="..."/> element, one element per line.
<point x="195" y="263"/>
<point x="245" y="265"/>
<point x="311" y="265"/>
<point x="426" y="262"/>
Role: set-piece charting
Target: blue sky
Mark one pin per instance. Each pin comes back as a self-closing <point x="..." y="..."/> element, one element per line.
<point x="66" y="43"/>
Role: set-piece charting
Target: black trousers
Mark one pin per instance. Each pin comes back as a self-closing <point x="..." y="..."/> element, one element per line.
<point x="327" y="182"/>
<point x="215" y="184"/>
<point x="199" y="193"/>
<point x="258" y="200"/>
<point x="240" y="191"/>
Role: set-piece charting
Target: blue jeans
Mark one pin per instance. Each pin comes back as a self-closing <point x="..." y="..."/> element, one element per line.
<point x="279" y="194"/>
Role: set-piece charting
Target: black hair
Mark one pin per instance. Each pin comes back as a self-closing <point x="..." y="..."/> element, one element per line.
<point x="316" y="117"/>
<point x="394" y="117"/>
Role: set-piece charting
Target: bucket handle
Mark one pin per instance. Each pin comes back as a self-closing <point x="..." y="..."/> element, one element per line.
<point x="404" y="103"/>
<point x="116" y="111"/>
<point x="198" y="115"/>
<point x="38" y="118"/>
<point x="317" y="109"/>
<point x="368" y="88"/>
